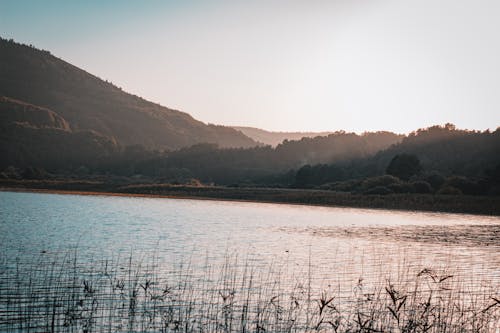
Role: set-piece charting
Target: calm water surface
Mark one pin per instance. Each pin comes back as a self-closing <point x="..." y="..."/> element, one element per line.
<point x="331" y="240"/>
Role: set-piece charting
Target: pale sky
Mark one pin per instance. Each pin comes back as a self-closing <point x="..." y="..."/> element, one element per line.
<point x="290" y="65"/>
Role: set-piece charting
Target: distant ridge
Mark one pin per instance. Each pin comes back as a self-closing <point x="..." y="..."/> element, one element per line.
<point x="86" y="103"/>
<point x="275" y="138"/>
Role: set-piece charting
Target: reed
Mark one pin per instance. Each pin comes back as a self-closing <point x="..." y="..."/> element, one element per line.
<point x="65" y="293"/>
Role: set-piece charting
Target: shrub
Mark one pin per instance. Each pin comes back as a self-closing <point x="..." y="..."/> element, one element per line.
<point x="422" y="187"/>
<point x="449" y="190"/>
<point x="345" y="186"/>
<point x="379" y="181"/>
<point x="466" y="186"/>
<point x="381" y="190"/>
<point x="404" y="166"/>
<point x="194" y="182"/>
<point x="435" y="179"/>
<point x="34" y="173"/>
<point x="402" y="188"/>
<point x="12" y="172"/>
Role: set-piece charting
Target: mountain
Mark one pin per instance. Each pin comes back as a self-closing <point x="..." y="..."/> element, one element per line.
<point x="82" y="102"/>
<point x="275" y="138"/>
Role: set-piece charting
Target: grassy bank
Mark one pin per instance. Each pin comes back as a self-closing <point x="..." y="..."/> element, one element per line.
<point x="485" y="205"/>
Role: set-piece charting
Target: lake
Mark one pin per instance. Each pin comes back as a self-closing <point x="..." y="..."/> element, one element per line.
<point x="336" y="250"/>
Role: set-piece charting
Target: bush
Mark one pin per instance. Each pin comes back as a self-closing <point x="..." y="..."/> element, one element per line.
<point x="466" y="186"/>
<point x="381" y="190"/>
<point x="436" y="180"/>
<point x="34" y="173"/>
<point x="422" y="187"/>
<point x="12" y="172"/>
<point x="449" y="190"/>
<point x="401" y="188"/>
<point x="404" y="166"/>
<point x="194" y="182"/>
<point x="309" y="176"/>
<point x="379" y="181"/>
<point x="345" y="186"/>
<point x="82" y="170"/>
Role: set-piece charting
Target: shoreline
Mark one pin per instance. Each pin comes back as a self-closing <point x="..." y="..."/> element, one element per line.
<point x="473" y="205"/>
<point x="180" y="197"/>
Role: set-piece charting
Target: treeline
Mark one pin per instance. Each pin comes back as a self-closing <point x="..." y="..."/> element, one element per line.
<point x="258" y="165"/>
<point x="207" y="162"/>
<point x="440" y="159"/>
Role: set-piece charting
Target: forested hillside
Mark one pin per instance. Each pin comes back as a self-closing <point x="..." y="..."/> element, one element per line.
<point x="438" y="157"/>
<point x="32" y="136"/>
<point x="88" y="103"/>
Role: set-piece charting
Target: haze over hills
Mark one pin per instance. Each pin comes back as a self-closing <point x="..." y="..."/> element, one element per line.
<point x="86" y="103"/>
<point x="61" y="120"/>
<point x="59" y="117"/>
<point x="273" y="138"/>
<point x="210" y="164"/>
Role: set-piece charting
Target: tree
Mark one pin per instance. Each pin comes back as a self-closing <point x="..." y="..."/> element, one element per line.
<point x="404" y="166"/>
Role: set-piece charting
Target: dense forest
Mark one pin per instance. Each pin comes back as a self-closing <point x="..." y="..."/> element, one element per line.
<point x="206" y="162"/>
<point x="439" y="159"/>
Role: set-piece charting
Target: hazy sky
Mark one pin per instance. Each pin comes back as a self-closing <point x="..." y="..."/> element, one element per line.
<point x="285" y="65"/>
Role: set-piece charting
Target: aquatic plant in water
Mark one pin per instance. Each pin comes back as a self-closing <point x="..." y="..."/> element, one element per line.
<point x="62" y="294"/>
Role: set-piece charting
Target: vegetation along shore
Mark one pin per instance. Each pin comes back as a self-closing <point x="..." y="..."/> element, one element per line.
<point x="483" y="205"/>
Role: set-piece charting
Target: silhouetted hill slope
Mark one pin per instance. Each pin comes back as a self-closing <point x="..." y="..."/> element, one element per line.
<point x="36" y="136"/>
<point x="89" y="103"/>
<point x="275" y="138"/>
<point x="448" y="150"/>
